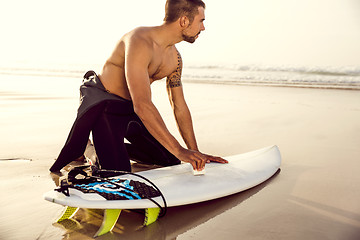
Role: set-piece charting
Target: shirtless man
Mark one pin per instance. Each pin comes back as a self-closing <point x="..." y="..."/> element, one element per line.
<point x="141" y="57"/>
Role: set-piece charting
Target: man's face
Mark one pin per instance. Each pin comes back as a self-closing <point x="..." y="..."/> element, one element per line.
<point x="191" y="33"/>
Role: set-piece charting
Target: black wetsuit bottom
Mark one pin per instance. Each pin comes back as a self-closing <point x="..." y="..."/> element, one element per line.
<point x="111" y="119"/>
<point x="109" y="131"/>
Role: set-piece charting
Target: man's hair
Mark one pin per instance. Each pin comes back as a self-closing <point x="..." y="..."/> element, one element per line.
<point x="174" y="9"/>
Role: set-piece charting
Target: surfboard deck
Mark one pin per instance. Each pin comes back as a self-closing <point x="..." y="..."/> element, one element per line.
<point x="180" y="187"/>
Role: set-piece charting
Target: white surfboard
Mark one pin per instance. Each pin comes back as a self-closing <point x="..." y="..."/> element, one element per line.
<point x="180" y="187"/>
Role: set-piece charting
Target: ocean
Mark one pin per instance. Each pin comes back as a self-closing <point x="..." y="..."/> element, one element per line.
<point x="311" y="77"/>
<point x="236" y="74"/>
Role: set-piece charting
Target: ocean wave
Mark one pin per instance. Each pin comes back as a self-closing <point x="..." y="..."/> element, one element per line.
<point x="52" y="72"/>
<point x="296" y="76"/>
<point x="292" y="76"/>
<point x="326" y="70"/>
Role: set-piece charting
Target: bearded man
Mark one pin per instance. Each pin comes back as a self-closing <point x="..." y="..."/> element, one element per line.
<point x="116" y="104"/>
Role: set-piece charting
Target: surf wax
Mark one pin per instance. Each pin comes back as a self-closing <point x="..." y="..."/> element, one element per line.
<point x="197" y="173"/>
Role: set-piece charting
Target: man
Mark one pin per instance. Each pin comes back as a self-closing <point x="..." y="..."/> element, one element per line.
<point x="117" y="104"/>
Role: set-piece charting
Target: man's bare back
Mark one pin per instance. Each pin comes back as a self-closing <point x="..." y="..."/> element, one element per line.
<point x="164" y="61"/>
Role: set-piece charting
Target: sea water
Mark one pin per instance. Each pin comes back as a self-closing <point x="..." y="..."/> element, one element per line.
<point x="345" y="77"/>
<point x="290" y="76"/>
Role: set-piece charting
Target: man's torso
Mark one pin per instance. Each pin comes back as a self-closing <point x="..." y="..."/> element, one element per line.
<point x="163" y="63"/>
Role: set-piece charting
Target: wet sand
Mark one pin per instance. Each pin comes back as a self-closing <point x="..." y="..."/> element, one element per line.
<point x="314" y="196"/>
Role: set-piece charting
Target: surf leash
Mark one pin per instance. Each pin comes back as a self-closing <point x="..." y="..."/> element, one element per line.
<point x="138" y="190"/>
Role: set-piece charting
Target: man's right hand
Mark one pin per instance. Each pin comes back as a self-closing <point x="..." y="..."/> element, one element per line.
<point x="198" y="159"/>
<point x="195" y="158"/>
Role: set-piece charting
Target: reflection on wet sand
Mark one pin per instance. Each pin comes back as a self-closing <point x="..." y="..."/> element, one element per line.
<point x="178" y="220"/>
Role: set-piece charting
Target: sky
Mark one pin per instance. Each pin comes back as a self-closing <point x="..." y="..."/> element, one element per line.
<point x="266" y="32"/>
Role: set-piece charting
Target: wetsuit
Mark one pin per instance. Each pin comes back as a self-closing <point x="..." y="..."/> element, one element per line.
<point x="111" y="119"/>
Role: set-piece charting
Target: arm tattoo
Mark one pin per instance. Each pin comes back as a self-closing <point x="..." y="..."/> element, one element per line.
<point x="174" y="80"/>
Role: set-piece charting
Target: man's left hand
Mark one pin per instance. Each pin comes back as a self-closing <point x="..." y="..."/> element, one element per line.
<point x="211" y="158"/>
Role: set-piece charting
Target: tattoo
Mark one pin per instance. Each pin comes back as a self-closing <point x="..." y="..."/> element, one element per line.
<point x="174" y="80"/>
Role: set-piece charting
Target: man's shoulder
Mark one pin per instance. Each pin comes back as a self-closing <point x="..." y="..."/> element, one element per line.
<point x="138" y="46"/>
<point x="138" y="36"/>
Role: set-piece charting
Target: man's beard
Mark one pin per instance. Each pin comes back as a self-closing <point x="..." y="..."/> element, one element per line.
<point x="190" y="39"/>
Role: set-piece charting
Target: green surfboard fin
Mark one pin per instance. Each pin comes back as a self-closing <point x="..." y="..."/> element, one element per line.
<point x="67" y="213"/>
<point x="110" y="218"/>
<point x="151" y="215"/>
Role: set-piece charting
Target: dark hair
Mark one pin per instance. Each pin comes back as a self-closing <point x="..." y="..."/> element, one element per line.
<point x="174" y="9"/>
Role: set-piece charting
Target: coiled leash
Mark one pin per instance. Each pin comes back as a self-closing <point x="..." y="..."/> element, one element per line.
<point x="79" y="179"/>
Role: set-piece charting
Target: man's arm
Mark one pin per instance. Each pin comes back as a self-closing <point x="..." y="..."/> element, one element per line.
<point x="138" y="54"/>
<point x="137" y="59"/>
<point x="180" y="108"/>
<point x="182" y="112"/>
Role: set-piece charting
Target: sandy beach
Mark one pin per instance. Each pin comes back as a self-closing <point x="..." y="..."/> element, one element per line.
<point x="314" y="196"/>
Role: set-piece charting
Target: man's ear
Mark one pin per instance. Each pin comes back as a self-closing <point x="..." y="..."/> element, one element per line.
<point x="184" y="21"/>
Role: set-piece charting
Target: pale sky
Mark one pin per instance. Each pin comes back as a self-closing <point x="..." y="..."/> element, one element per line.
<point x="269" y="32"/>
